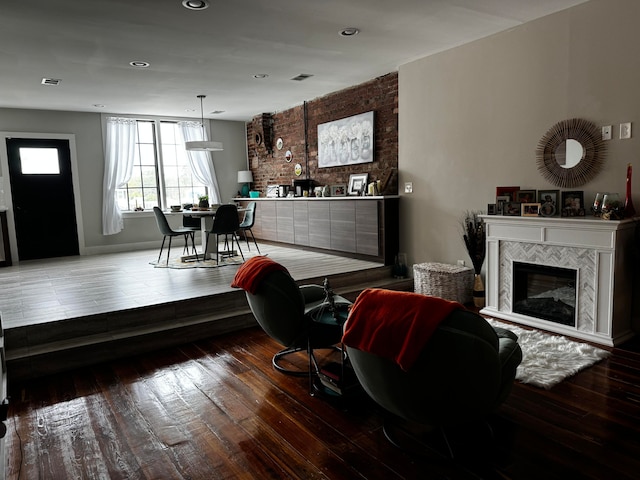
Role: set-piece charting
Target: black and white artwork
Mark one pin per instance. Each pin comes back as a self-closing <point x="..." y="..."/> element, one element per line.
<point x="347" y="141"/>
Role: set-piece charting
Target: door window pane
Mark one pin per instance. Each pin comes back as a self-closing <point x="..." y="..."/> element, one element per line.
<point x="39" y="161"/>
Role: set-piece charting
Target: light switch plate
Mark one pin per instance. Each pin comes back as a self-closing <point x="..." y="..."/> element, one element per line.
<point x="408" y="187"/>
<point x="625" y="130"/>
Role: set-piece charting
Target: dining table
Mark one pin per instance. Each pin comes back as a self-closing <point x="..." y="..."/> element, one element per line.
<point x="202" y="214"/>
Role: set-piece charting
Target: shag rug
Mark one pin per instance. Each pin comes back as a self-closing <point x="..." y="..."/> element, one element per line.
<point x="549" y="359"/>
<point x="179" y="264"/>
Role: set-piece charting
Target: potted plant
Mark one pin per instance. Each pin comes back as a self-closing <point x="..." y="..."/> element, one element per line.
<point x="474" y="237"/>
<point x="203" y="201"/>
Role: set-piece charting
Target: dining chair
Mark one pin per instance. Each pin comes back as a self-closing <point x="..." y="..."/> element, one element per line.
<point x="225" y="223"/>
<point x="247" y="223"/>
<point x="193" y="224"/>
<point x="167" y="231"/>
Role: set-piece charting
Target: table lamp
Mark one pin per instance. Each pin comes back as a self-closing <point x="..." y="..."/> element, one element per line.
<point x="245" y="177"/>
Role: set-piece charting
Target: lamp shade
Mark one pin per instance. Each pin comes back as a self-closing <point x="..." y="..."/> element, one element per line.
<point x="245" y="176"/>
<point x="204" y="146"/>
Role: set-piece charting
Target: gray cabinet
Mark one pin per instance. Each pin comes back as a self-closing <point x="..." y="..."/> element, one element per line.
<point x="268" y="219"/>
<point x="319" y="224"/>
<point x="367" y="228"/>
<point x="359" y="226"/>
<point x="343" y="225"/>
<point x="301" y="223"/>
<point x="284" y="221"/>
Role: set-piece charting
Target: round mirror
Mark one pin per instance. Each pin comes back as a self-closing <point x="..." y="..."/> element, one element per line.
<point x="571" y="153"/>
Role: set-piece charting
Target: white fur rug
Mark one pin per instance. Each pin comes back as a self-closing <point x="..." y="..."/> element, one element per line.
<point x="549" y="359"/>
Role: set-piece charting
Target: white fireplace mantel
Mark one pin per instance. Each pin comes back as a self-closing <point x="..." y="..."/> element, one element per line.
<point x="600" y="252"/>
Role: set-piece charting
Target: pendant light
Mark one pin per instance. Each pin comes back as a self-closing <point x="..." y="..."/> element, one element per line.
<point x="203" y="145"/>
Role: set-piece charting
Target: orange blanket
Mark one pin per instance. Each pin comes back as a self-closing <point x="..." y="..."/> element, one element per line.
<point x="253" y="271"/>
<point x="395" y="325"/>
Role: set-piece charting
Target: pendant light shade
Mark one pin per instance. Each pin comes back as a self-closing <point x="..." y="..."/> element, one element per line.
<point x="203" y="145"/>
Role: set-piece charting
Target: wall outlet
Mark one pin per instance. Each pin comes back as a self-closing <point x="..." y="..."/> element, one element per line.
<point x="606" y="132"/>
<point x="408" y="187"/>
<point x="461" y="263"/>
<point x="625" y="130"/>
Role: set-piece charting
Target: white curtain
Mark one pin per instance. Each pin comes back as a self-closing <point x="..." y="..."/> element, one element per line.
<point x="201" y="162"/>
<point x="118" y="168"/>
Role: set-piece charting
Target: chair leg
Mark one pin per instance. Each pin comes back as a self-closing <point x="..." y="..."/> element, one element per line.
<point x="233" y="235"/>
<point x="161" y="247"/>
<point x="278" y="356"/>
<point x="254" y="239"/>
<point x="169" y="249"/>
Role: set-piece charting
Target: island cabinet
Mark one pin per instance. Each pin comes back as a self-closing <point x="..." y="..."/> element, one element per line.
<point x="362" y="226"/>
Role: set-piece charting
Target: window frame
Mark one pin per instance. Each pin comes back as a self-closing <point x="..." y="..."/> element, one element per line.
<point x="158" y="153"/>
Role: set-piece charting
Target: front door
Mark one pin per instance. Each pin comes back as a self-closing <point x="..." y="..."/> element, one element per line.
<point x="43" y="199"/>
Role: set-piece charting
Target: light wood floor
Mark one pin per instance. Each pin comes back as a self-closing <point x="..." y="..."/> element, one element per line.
<point x="40" y="291"/>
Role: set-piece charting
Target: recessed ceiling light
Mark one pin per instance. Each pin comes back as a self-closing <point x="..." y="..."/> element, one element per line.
<point x="349" y="32"/>
<point x="195" y="4"/>
<point x="260" y="75"/>
<point x="189" y="110"/>
<point x="139" y="64"/>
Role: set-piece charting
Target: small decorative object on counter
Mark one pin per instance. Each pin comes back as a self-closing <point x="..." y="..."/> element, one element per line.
<point x="203" y="201"/>
<point x="474" y="237"/>
<point x="612" y="207"/>
<point x="629" y="211"/>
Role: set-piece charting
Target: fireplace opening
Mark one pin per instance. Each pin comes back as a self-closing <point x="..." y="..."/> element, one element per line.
<point x="545" y="292"/>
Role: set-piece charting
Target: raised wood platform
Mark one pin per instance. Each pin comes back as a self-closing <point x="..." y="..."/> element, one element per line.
<point x="61" y="314"/>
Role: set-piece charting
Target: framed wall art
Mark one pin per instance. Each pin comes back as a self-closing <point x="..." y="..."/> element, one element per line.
<point x="348" y="141"/>
<point x="357" y="183"/>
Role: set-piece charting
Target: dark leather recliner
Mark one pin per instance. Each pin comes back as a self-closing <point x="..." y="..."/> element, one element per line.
<point x="462" y="374"/>
<point x="289" y="314"/>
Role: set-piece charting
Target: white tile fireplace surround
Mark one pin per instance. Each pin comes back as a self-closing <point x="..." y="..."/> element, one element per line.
<point x="600" y="253"/>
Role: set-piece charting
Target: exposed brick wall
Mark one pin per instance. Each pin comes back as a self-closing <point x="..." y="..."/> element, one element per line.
<point x="270" y="167"/>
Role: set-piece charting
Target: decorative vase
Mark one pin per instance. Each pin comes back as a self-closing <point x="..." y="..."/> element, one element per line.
<point x="478" y="291"/>
<point x="629" y="211"/>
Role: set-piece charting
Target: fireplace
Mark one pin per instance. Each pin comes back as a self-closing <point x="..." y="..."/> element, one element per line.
<point x="571" y="276"/>
<point x="545" y="292"/>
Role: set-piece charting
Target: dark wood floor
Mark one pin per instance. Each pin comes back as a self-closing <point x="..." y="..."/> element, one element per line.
<point x="217" y="409"/>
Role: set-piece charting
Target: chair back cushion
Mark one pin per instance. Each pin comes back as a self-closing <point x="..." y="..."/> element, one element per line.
<point x="278" y="307"/>
<point x="163" y="224"/>
<point x="249" y="216"/>
<point x="226" y="219"/>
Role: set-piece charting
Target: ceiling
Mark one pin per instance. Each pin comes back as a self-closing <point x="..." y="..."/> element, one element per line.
<point x="88" y="45"/>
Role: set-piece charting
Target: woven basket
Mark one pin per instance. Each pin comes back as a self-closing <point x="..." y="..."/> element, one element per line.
<point x="451" y="282"/>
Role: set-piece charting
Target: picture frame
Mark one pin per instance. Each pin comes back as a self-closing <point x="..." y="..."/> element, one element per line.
<point x="500" y="201"/>
<point x="357" y="183"/>
<point x="573" y="204"/>
<point x="347" y="141"/>
<point x="549" y="201"/>
<point x="338" y="190"/>
<point x="530" y="209"/>
<point x="525" y="196"/>
<point x="512" y="209"/>
<point x="507" y="191"/>
<point x="491" y="208"/>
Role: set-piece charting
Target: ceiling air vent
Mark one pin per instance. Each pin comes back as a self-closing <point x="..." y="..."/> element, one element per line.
<point x="51" y="81"/>
<point x="301" y="77"/>
<point x="216" y="112"/>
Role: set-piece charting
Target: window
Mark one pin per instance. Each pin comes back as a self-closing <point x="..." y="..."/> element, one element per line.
<point x="39" y="161"/>
<point x="161" y="172"/>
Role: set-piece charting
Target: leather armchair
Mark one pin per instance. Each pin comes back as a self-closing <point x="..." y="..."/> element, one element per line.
<point x="462" y="374"/>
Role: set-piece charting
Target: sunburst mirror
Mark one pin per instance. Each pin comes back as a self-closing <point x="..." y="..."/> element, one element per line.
<point x="571" y="153"/>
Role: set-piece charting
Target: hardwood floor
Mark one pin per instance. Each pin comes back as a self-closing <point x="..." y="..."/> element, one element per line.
<point x="215" y="408"/>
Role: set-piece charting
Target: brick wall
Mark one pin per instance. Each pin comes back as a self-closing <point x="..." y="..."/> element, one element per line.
<point x="269" y="165"/>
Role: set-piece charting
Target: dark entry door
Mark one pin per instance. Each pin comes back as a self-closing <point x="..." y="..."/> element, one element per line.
<point x="43" y="200"/>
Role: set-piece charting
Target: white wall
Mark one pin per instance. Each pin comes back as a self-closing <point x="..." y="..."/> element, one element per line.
<point x="470" y="118"/>
<point x="140" y="231"/>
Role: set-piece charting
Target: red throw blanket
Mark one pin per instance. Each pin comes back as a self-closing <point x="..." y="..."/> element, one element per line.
<point x="253" y="271"/>
<point x="395" y="325"/>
